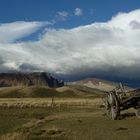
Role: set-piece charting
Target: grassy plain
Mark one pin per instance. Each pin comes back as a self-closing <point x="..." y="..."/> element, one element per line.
<point x="63" y="118"/>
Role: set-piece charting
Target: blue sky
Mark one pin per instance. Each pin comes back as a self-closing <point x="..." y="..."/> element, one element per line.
<point x="46" y="10"/>
<point x="73" y="39"/>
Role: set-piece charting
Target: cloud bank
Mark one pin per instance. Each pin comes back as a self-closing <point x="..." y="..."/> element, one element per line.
<point x="110" y="48"/>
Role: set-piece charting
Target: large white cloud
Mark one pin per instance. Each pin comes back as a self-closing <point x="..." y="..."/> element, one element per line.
<point x="109" y="48"/>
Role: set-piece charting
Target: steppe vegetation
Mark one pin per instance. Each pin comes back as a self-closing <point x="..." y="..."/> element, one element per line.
<point x="61" y="116"/>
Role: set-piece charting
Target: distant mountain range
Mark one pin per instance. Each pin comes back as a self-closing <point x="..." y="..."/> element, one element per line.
<point x="44" y="79"/>
<point x="29" y="79"/>
<point x="41" y="84"/>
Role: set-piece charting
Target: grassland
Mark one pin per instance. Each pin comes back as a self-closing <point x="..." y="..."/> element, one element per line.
<point x="63" y="118"/>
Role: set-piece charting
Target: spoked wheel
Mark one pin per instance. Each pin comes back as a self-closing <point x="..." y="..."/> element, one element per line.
<point x="138" y="113"/>
<point x="112" y="106"/>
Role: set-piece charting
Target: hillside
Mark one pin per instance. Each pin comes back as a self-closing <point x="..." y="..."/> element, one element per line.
<point x="95" y="83"/>
<point x="44" y="91"/>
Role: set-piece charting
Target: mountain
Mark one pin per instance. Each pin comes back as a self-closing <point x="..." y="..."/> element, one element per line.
<point x="19" y="85"/>
<point x="29" y="79"/>
<point x="95" y="83"/>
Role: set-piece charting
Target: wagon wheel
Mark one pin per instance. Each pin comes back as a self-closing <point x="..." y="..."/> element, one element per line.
<point x="138" y="112"/>
<point x="112" y="106"/>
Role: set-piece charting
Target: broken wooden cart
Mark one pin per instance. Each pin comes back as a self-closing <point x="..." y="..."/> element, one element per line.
<point x="118" y="99"/>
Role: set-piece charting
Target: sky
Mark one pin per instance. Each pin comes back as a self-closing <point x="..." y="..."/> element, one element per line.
<point x="71" y="39"/>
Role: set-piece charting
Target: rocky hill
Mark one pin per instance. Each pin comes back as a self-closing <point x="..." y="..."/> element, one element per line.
<point x="29" y="79"/>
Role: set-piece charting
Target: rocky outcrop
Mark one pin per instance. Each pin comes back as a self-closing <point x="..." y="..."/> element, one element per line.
<point x="29" y="79"/>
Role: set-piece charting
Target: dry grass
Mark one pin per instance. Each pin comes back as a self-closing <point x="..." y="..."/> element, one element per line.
<point x="62" y="118"/>
<point x="14" y="136"/>
<point x="76" y="119"/>
<point x="47" y="102"/>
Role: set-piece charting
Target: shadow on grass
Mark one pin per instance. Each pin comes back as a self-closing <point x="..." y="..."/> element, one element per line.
<point x="127" y="115"/>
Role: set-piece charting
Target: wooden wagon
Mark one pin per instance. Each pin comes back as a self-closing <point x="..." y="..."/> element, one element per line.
<point x="118" y="99"/>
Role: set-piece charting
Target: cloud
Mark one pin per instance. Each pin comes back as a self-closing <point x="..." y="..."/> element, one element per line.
<point x="78" y="12"/>
<point x="61" y="15"/>
<point x="10" y="32"/>
<point x="109" y="49"/>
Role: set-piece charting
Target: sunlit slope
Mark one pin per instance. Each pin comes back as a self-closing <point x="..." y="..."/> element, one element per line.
<point x="99" y="84"/>
<point x="43" y="91"/>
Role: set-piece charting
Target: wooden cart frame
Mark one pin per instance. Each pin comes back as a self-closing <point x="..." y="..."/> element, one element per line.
<point x="116" y="100"/>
